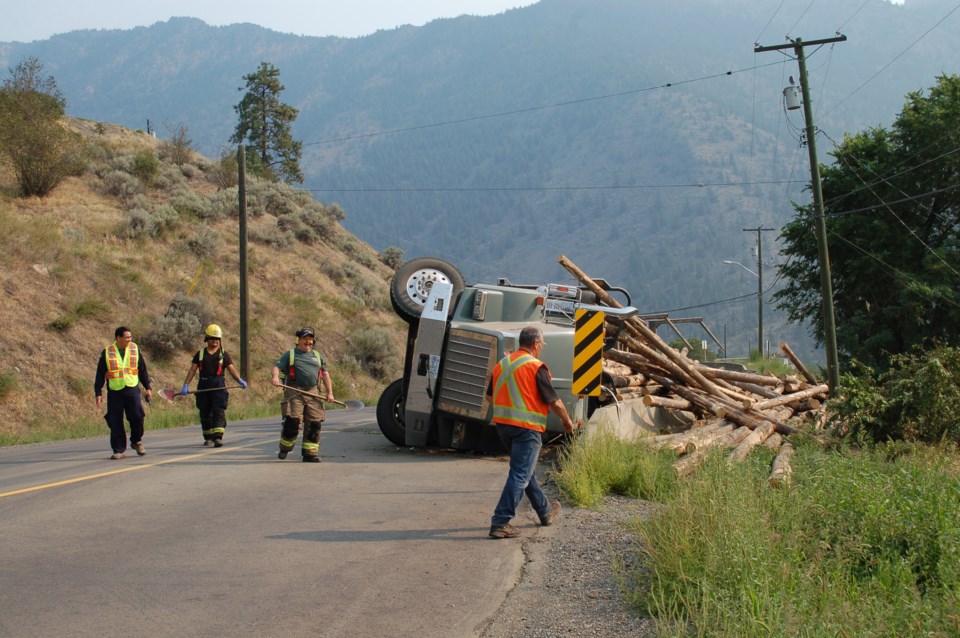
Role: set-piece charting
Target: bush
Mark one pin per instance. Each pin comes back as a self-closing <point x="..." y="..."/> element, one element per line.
<point x="273" y="237"/>
<point x="392" y="256"/>
<point x="145" y="167"/>
<point x="375" y="351"/>
<point x="151" y="224"/>
<point x="225" y="172"/>
<point x="121" y="184"/>
<point x="203" y="243"/>
<point x="916" y="399"/>
<point x="179" y="328"/>
<point x="8" y="383"/>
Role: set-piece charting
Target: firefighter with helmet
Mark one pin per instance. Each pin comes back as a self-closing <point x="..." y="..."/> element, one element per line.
<point x="211" y="361"/>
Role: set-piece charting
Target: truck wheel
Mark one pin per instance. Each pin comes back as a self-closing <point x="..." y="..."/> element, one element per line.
<point x="412" y="282"/>
<point x="390" y="413"/>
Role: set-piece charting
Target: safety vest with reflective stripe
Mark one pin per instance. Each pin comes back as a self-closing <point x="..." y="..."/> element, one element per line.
<point x="516" y="398"/>
<point x="122" y="372"/>
<point x="219" y="364"/>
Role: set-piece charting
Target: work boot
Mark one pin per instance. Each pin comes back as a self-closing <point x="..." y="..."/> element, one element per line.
<point x="311" y="458"/>
<point x="504" y="531"/>
<point x="551" y="514"/>
<point x="218" y="443"/>
<point x="118" y="455"/>
<point x="138" y="446"/>
<point x="207" y="443"/>
<point x="282" y="455"/>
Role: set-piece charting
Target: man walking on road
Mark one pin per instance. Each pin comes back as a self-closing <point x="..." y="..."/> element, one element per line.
<point x="123" y="369"/>
<point x="523" y="394"/>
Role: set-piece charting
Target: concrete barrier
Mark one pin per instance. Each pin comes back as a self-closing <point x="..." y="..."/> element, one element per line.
<point x="631" y="419"/>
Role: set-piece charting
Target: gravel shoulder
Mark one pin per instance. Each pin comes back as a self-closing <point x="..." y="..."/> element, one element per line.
<point x="566" y="586"/>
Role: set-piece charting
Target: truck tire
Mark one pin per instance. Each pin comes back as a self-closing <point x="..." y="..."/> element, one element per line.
<point x="412" y="282"/>
<point x="390" y="413"/>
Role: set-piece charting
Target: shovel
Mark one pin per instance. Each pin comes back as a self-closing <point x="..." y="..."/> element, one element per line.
<point x="170" y="395"/>
<point x="349" y="405"/>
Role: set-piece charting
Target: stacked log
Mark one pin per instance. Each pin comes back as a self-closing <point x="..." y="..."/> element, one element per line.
<point x="742" y="409"/>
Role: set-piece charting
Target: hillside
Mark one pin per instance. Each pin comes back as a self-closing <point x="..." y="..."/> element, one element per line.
<point x="109" y="248"/>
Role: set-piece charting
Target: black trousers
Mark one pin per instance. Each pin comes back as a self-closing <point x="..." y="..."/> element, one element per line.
<point x="120" y="403"/>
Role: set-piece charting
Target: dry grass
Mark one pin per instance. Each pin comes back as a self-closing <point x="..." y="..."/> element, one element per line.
<point x="67" y="251"/>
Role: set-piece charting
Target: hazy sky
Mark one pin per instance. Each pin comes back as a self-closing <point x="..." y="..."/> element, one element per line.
<point x="28" y="20"/>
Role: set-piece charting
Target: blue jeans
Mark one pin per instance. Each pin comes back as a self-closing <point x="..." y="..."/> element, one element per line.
<point x="524" y="447"/>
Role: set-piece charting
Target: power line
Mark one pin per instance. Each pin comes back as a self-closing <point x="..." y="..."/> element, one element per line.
<point x="549" y="188"/>
<point x="535" y="108"/>
<point x="896" y="57"/>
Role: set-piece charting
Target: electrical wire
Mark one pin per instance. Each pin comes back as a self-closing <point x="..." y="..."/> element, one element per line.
<point x="526" y="189"/>
<point x="895" y="58"/>
<point x="764" y="30"/>
<point x="860" y="8"/>
<point x="790" y="30"/>
<point x="533" y="109"/>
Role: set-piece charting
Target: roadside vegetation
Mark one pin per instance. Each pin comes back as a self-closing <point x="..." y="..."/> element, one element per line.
<point x="865" y="539"/>
<point x="865" y="542"/>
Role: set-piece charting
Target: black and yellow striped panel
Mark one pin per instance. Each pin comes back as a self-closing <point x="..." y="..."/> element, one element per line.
<point x="587" y="353"/>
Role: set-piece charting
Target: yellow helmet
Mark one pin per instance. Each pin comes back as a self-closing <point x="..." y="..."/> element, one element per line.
<point x="213" y="331"/>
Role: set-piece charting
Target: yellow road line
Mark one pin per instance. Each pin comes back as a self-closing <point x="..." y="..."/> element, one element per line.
<point x="130" y="469"/>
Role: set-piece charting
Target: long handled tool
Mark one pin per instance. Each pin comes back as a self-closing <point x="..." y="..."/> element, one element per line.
<point x="350" y="405"/>
<point x="170" y="395"/>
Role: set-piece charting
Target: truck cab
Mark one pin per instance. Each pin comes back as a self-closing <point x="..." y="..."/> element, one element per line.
<point x="457" y="334"/>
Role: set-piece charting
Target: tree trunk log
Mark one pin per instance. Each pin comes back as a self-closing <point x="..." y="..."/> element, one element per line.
<point x="782" y="469"/>
<point x="797" y="364"/>
<point x="686" y="465"/>
<point x="774" y="441"/>
<point x="667" y="402"/>
<point x="795" y="397"/>
<point x="754" y="439"/>
<point x="638" y="327"/>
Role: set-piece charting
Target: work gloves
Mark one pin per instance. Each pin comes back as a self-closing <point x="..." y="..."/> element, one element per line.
<point x="185" y="390"/>
<point x="243" y="384"/>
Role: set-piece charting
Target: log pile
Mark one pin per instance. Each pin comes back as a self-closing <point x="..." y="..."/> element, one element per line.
<point x="734" y="409"/>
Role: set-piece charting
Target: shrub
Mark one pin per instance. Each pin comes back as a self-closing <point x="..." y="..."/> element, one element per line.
<point x="272" y="237"/>
<point x="225" y="172"/>
<point x="916" y="399"/>
<point x="222" y="204"/>
<point x="203" y="243"/>
<point x="335" y="211"/>
<point x="8" y="383"/>
<point x="392" y="256"/>
<point x="374" y="350"/>
<point x="189" y="202"/>
<point x="145" y="167"/>
<point x="121" y="184"/>
<point x="179" y="328"/>
<point x="140" y="223"/>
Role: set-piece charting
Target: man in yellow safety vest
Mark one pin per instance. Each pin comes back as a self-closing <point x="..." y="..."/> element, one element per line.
<point x="123" y="369"/>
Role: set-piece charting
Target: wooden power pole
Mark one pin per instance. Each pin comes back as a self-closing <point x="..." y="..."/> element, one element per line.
<point x="823" y="254"/>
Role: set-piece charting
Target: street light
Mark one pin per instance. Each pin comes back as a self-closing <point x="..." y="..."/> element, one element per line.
<point x="759" y="299"/>
<point x="727" y="261"/>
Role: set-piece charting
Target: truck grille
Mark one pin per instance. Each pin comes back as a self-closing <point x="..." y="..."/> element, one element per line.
<point x="466" y="373"/>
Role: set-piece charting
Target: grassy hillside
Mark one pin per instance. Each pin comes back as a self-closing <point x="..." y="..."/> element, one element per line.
<point x="118" y="244"/>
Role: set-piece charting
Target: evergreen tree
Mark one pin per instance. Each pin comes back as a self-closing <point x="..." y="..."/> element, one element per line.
<point x="265" y="125"/>
<point x="892" y="202"/>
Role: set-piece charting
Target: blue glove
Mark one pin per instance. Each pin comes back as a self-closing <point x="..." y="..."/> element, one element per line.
<point x="243" y="384"/>
<point x="185" y="390"/>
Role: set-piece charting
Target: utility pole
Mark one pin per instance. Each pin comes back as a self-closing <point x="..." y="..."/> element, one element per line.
<point x="758" y="230"/>
<point x="242" y="194"/>
<point x="823" y="254"/>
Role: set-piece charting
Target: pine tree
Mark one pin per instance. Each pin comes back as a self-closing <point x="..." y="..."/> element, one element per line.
<point x="265" y="125"/>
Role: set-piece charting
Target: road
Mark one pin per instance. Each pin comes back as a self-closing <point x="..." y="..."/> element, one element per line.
<point x="191" y="541"/>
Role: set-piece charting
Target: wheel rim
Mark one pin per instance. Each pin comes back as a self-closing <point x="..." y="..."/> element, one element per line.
<point x="420" y="282"/>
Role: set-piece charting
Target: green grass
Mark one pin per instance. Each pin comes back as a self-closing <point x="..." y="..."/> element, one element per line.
<point x="161" y="415"/>
<point x="864" y="544"/>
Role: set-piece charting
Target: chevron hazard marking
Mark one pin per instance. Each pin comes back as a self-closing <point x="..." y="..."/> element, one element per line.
<point x="588" y="353"/>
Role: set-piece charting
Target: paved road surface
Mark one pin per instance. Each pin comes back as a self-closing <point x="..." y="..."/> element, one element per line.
<point x="193" y="541"/>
